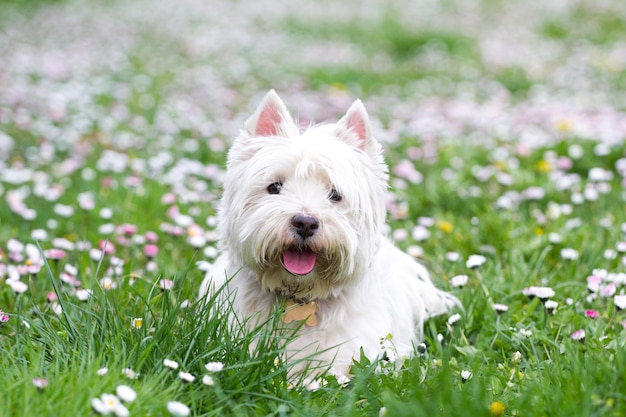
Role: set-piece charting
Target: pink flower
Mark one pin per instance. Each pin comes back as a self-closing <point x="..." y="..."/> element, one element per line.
<point x="51" y="296"/>
<point x="405" y="169"/>
<point x="169" y="198"/>
<point x="127" y="229"/>
<point x="608" y="290"/>
<point x="593" y="283"/>
<point x="17" y="286"/>
<point x="106" y="247"/>
<point x="166" y="284"/>
<point x="40" y="383"/>
<point x="55" y="254"/>
<point x="4" y="317"/>
<point x="578" y="335"/>
<point x="592" y="314"/>
<point x="564" y="163"/>
<point x="151" y="251"/>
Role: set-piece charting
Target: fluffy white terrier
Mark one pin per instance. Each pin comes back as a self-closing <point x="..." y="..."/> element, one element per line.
<point x="301" y="227"/>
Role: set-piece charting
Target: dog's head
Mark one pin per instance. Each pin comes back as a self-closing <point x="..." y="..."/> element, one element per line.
<point x="304" y="210"/>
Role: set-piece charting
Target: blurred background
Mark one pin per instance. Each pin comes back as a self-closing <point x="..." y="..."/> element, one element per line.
<point x="476" y="70"/>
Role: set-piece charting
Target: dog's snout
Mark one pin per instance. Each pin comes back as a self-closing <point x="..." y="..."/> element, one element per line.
<point x="305" y="226"/>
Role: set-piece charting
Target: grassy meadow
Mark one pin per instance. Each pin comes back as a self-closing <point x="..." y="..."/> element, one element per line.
<point x="504" y="127"/>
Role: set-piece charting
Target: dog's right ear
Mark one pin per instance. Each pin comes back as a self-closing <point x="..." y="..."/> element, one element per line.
<point x="271" y="118"/>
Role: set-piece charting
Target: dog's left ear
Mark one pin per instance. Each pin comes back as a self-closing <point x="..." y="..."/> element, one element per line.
<point x="271" y="118"/>
<point x="355" y="129"/>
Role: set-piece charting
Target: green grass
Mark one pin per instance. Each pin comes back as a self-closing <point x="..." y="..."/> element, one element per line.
<point x="554" y="375"/>
<point x="524" y="358"/>
<point x="403" y="47"/>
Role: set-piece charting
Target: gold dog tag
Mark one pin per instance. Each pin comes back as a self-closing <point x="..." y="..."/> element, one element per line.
<point x="298" y="311"/>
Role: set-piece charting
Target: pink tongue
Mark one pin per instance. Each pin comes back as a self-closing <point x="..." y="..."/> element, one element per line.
<point x="299" y="262"/>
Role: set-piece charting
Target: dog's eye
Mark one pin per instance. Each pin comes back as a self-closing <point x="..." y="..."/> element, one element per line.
<point x="335" y="196"/>
<point x="274" y="188"/>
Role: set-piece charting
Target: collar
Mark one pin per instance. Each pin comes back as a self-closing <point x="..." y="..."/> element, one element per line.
<point x="300" y="311"/>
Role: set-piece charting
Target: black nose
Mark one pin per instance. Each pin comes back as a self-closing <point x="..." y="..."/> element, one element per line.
<point x="305" y="226"/>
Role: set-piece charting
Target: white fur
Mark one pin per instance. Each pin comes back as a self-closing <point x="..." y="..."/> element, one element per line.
<point x="364" y="286"/>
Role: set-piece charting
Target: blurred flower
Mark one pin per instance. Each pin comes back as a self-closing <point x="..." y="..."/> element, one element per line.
<point x="420" y="233"/>
<point x="312" y="385"/>
<point x="186" y="377"/>
<point x="4" y="317"/>
<point x="405" y="169"/>
<point x="554" y="238"/>
<point x="454" y="318"/>
<point x="166" y="284"/>
<point x="474" y="261"/>
<point x="17" y="286"/>
<point x="137" y="323"/>
<point x="551" y="306"/>
<point x="151" y="251"/>
<point x="569" y="254"/>
<point x="620" y="302"/>
<point x="496" y="408"/>
<point x="151" y="237"/>
<point x="170" y="364"/>
<point x="445" y="227"/>
<point x="592" y="314"/>
<point x="40" y="383"/>
<point x="106" y="213"/>
<point x="178" y="409"/>
<point x="526" y="332"/>
<point x="608" y="290"/>
<point x="55" y="254"/>
<point x="208" y="380"/>
<point x="129" y="373"/>
<point x="106" y="247"/>
<point x="56" y="308"/>
<point x="399" y="235"/>
<point x="39" y="234"/>
<point x="83" y="294"/>
<point x="126" y="393"/>
<point x="415" y="251"/>
<point x="610" y="254"/>
<point x="127" y="229"/>
<point x="107" y="404"/>
<point x="543" y="293"/>
<point x="453" y="256"/>
<point x="466" y="375"/>
<point x="593" y="283"/>
<point x="578" y="335"/>
<point x="214" y="366"/>
<point x="102" y="371"/>
<point x="500" y="308"/>
<point x="108" y="284"/>
<point x="459" y="280"/>
<point x="543" y="166"/>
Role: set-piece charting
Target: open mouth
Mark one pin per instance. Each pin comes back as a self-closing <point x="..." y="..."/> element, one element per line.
<point x="299" y="261"/>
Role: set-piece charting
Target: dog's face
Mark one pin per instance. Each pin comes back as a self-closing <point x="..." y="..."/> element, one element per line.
<point x="304" y="210"/>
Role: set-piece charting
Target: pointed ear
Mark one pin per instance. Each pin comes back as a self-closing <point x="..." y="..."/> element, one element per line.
<point x="271" y="117"/>
<point x="355" y="128"/>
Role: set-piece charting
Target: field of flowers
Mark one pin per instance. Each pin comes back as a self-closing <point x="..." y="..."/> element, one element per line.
<point x="504" y="125"/>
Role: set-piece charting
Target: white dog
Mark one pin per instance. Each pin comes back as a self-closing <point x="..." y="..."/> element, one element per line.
<point x="301" y="227"/>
